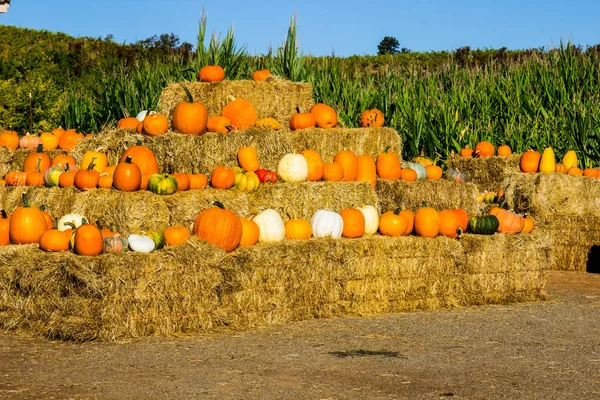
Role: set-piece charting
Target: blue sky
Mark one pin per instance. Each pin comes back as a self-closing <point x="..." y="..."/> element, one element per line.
<point x="325" y="27"/>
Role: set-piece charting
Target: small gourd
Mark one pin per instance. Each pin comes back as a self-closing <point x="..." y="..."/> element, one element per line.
<point x="141" y="243"/>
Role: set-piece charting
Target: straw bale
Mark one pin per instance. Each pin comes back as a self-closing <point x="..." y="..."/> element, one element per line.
<point x="441" y="195"/>
<point x="112" y="296"/>
<point x="58" y="201"/>
<point x="302" y="200"/>
<point x="275" y="98"/>
<point x="177" y="152"/>
<point x="488" y="173"/>
<point x="19" y="155"/>
<point x="545" y="196"/>
<point x="6" y="156"/>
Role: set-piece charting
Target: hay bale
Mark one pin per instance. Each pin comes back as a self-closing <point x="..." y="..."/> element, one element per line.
<point x="488" y="173"/>
<point x="441" y="195"/>
<point x="176" y="152"/>
<point x="545" y="196"/>
<point x="112" y="296"/>
<point x="275" y="98"/>
<point x="19" y="155"/>
<point x="58" y="201"/>
<point x="6" y="156"/>
<point x="302" y="200"/>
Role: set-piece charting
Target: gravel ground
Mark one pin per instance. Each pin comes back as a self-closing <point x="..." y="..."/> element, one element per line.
<point x="544" y="350"/>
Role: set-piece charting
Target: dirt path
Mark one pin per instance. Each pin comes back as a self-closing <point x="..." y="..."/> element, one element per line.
<point x="519" y="351"/>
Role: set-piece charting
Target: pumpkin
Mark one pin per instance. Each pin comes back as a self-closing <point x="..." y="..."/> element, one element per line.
<point x="105" y="181"/>
<point x="261" y="75"/>
<point x="529" y="161"/>
<point x="434" y="172"/>
<point x="250" y="232"/>
<point x="35" y="178"/>
<point x="190" y="117"/>
<point x="211" y="73"/>
<point x="508" y="222"/>
<point x="29" y="141"/>
<point x="570" y="159"/>
<point x="371" y="118"/>
<point x="176" y="235"/>
<point x="47" y="217"/>
<point x="371" y="219"/>
<point x="297" y="229"/>
<point x="293" y="168"/>
<point x="241" y="113"/>
<point x="183" y="181"/>
<point x="270" y="225"/>
<point x="354" y="223"/>
<point x="410" y="217"/>
<point x="450" y="224"/>
<point x="64" y="159"/>
<point x="198" y="181"/>
<point x="591" y="172"/>
<point x="315" y="165"/>
<point x="141" y="243"/>
<point x="333" y="172"/>
<point x="37" y="160"/>
<point x="325" y="223"/>
<point x="302" y="120"/>
<point x="65" y="222"/>
<point x="456" y="175"/>
<point x="16" y="178"/>
<point x="86" y="178"/>
<point x="575" y="171"/>
<point x="49" y="141"/>
<point x="423" y="159"/>
<point x="325" y="115"/>
<point x="155" y="124"/>
<point x="4" y="228"/>
<point x="143" y="114"/>
<point x="269" y="123"/>
<point x="528" y="224"/>
<point x="484" y="149"/>
<point x="366" y="170"/>
<point x="68" y="140"/>
<point x="128" y="123"/>
<point x="466" y="152"/>
<point x="52" y="174"/>
<point x="388" y="165"/>
<point x="220" y="227"/>
<point x="427" y="222"/>
<point x="408" y="175"/>
<point x="27" y="223"/>
<point x="247" y="181"/>
<point x="248" y="158"/>
<point x="100" y="160"/>
<point x="55" y="240"/>
<point x="547" y="161"/>
<point x="349" y="162"/>
<point x="114" y="244"/>
<point x="140" y="127"/>
<point x="108" y="233"/>
<point x="392" y="223"/>
<point x="127" y="176"/>
<point x="158" y="237"/>
<point x="9" y="139"/>
<point x="67" y="178"/>
<point x="222" y="177"/>
<point x="218" y="124"/>
<point x="162" y="184"/>
<point x="560" y="168"/>
<point x="483" y="224"/>
<point x="463" y="218"/>
<point x="419" y="168"/>
<point x="504" y="150"/>
<point x="143" y="157"/>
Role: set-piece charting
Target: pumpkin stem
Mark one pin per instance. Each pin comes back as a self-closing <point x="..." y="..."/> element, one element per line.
<point x="423" y="151"/>
<point x="127" y="160"/>
<point x="37" y="165"/>
<point x="39" y="148"/>
<point x="387" y="148"/>
<point x="219" y="204"/>
<point x="188" y="94"/>
<point x="92" y="164"/>
<point x="3" y="213"/>
<point x="42" y="207"/>
<point x="138" y="142"/>
<point x="397" y="210"/>
<point x="25" y="199"/>
<point x="459" y="231"/>
<point x="298" y="109"/>
<point x="70" y="225"/>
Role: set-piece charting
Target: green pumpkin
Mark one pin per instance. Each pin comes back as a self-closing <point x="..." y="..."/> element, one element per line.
<point x="115" y="244"/>
<point x="158" y="238"/>
<point x="419" y="168"/>
<point x="483" y="224"/>
<point x="162" y="184"/>
<point x="456" y="175"/>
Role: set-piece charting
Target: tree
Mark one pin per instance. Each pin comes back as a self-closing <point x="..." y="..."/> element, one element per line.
<point x="389" y="45"/>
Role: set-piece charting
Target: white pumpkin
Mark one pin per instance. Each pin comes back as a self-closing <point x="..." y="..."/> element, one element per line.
<point x="371" y="219"/>
<point x="142" y="114"/>
<point x="141" y="243"/>
<point x="270" y="225"/>
<point x="325" y="223"/>
<point x="293" y="168"/>
<point x="75" y="219"/>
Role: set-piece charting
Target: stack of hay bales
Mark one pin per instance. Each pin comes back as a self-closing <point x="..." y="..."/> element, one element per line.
<point x="567" y="209"/>
<point x="489" y="173"/>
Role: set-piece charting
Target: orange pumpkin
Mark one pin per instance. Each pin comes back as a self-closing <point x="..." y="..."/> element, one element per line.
<point x="4" y="228"/>
<point x="504" y="150"/>
<point x="222" y="177"/>
<point x="155" y="124"/>
<point x="37" y="160"/>
<point x="55" y="240"/>
<point x="35" y="178"/>
<point x="49" y="141"/>
<point x="176" y="235"/>
<point x="408" y="174"/>
<point x="128" y="123"/>
<point x="250" y="232"/>
<point x="410" y="218"/>
<point x="450" y="224"/>
<point x="367" y="170"/>
<point x="561" y="168"/>
<point x="190" y="117"/>
<point x="315" y="165"/>
<point x="63" y="159"/>
<point x="591" y="172"/>
<point x="528" y="224"/>
<point x="261" y="75"/>
<point x="58" y="131"/>
<point x="68" y="140"/>
<point x="530" y="161"/>
<point x="297" y="229"/>
<point x="575" y="171"/>
<point x="241" y="113"/>
<point x="183" y="181"/>
<point x="85" y="178"/>
<point x="349" y="162"/>
<point x="211" y="73"/>
<point x="434" y="172"/>
<point x="198" y="181"/>
<point x="393" y="223"/>
<point x="333" y="172"/>
<point x="105" y="181"/>
<point x="463" y="217"/>
<point x="67" y="179"/>
<point x="354" y="223"/>
<point x="371" y="118"/>
<point x="218" y="124"/>
<point x="427" y="222"/>
<point x="325" y="115"/>
<point x="9" y="139"/>
<point x="16" y="178"/>
<point x="388" y="165"/>
<point x="100" y="160"/>
<point x="127" y="176"/>
<point x="248" y="158"/>
<point x="143" y="157"/>
<point x="87" y="240"/>
<point x="268" y="123"/>
<point x="466" y="152"/>
<point x="27" y="223"/>
<point x="484" y="149"/>
<point x="302" y="120"/>
<point x="220" y="227"/>
<point x="509" y="222"/>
